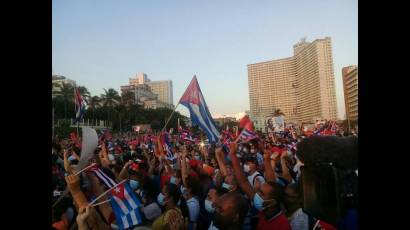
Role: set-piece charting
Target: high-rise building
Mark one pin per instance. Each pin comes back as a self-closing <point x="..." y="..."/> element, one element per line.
<point x="140" y="78"/>
<point x="163" y="89"/>
<point x="301" y="86"/>
<point x="350" y="89"/>
<point x="154" y="94"/>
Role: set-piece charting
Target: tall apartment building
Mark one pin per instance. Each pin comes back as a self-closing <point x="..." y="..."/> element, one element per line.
<point x="350" y="89"/>
<point x="140" y="78"/>
<point x="301" y="86"/>
<point x="163" y="89"/>
<point x="153" y="94"/>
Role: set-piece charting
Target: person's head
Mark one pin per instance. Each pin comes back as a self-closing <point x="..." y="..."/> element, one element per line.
<point x="228" y="166"/>
<point x="230" y="211"/>
<point x="293" y="199"/>
<point x="251" y="164"/>
<point x="245" y="148"/>
<point x="212" y="197"/>
<point x="176" y="178"/>
<point x="169" y="195"/>
<point x="269" y="197"/>
<point x="197" y="155"/>
<point x="136" y="179"/>
<point x="214" y="163"/>
<point x="193" y="187"/>
<point x="230" y="183"/>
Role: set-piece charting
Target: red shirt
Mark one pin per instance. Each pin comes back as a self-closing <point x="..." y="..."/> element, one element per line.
<point x="164" y="179"/>
<point x="279" y="222"/>
<point x="325" y="226"/>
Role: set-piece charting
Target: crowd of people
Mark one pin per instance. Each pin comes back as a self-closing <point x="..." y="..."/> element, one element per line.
<point x="189" y="184"/>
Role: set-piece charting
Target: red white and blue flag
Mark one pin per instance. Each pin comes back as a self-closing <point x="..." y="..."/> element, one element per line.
<point x="125" y="205"/>
<point x="79" y="105"/>
<point x="124" y="202"/>
<point x="166" y="143"/>
<point x="247" y="135"/>
<point x="198" y="110"/>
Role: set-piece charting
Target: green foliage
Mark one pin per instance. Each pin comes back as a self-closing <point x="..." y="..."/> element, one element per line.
<point x="120" y="112"/>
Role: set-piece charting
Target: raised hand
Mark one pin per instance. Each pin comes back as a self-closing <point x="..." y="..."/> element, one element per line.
<point x="73" y="183"/>
<point x="233" y="147"/>
<point x="83" y="214"/>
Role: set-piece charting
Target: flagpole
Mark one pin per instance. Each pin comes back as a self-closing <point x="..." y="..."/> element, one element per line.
<point x="102" y="194"/>
<point x="169" y="118"/>
<point x="75" y="109"/>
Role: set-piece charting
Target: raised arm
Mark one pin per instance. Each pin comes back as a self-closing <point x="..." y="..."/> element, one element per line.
<point x="103" y="155"/>
<point x="220" y="161"/>
<point x="184" y="170"/>
<point x="270" y="174"/>
<point x="124" y="171"/>
<point x="285" y="169"/>
<point x="239" y="174"/>
<point x="67" y="165"/>
<point x="73" y="184"/>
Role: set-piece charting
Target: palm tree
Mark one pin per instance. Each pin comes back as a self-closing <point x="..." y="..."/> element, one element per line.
<point x="128" y="99"/>
<point x="110" y="99"/>
<point x="66" y="92"/>
<point x="93" y="104"/>
<point x="84" y="93"/>
<point x="278" y="112"/>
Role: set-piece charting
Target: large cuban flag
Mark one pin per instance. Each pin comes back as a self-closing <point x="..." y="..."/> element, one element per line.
<point x="198" y="110"/>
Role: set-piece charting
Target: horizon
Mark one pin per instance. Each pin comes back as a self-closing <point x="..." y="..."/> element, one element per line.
<point x="103" y="45"/>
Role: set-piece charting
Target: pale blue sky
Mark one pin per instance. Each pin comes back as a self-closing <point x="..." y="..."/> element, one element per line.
<point x="101" y="44"/>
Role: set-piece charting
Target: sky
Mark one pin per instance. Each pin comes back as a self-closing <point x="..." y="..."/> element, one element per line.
<point x="102" y="43"/>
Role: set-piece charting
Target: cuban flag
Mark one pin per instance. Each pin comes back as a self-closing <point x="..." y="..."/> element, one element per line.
<point x="198" y="110"/>
<point x="79" y="105"/>
<point x="102" y="177"/>
<point x="125" y="205"/>
<point x="124" y="202"/>
<point x="166" y="143"/>
<point x="247" y="135"/>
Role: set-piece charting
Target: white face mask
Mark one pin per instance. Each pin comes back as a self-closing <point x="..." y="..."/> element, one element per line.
<point x="253" y="151"/>
<point x="246" y="168"/>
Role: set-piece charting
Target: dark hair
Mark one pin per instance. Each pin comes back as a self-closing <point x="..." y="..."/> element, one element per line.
<point x="220" y="191"/>
<point x="240" y="204"/>
<point x="76" y="150"/>
<point x="173" y="192"/>
<point x="117" y="168"/>
<point x="277" y="193"/>
<point x="194" y="185"/>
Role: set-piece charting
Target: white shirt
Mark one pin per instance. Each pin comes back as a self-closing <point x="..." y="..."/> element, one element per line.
<point x="299" y="220"/>
<point x="251" y="179"/>
<point x="212" y="227"/>
<point x="193" y="208"/>
<point x="151" y="211"/>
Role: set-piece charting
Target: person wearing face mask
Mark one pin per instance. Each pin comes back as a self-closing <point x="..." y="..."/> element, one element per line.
<point x="254" y="177"/>
<point x="266" y="199"/>
<point x="255" y="152"/>
<point x="191" y="190"/>
<point x="230" y="183"/>
<point x="229" y="212"/>
<point x="151" y="209"/>
<point x="172" y="217"/>
<point x="207" y="207"/>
